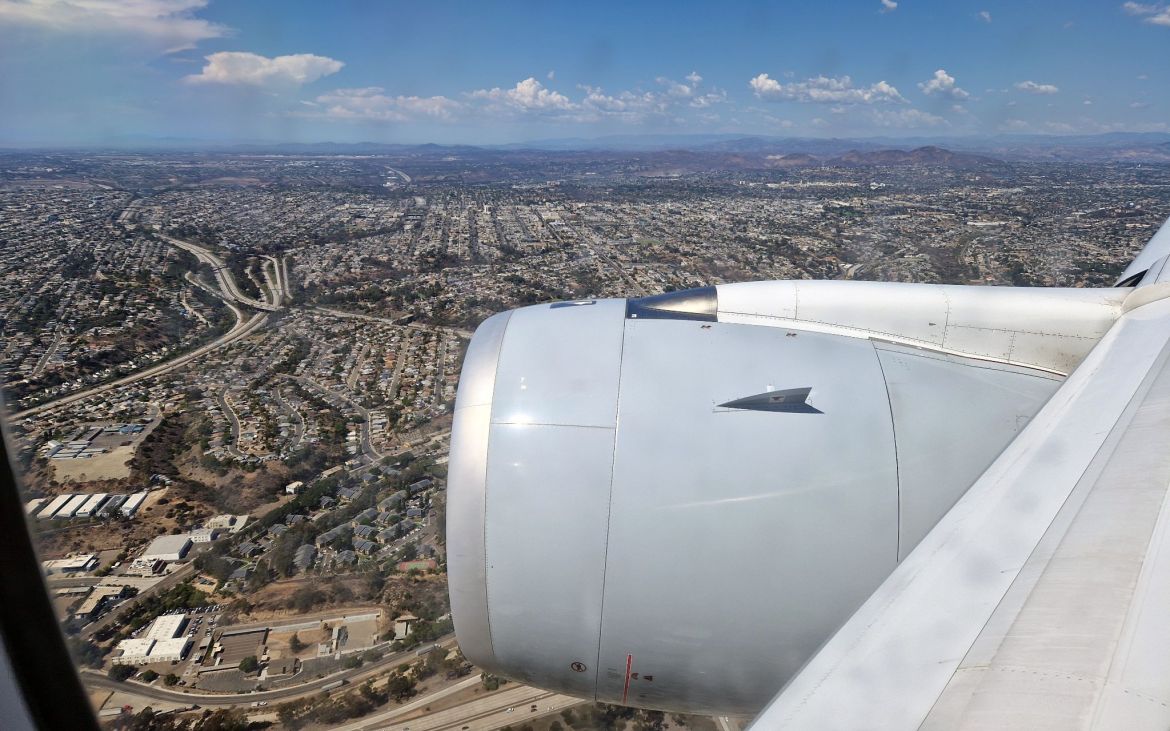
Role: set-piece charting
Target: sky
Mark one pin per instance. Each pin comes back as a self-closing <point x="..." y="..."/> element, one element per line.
<point x="97" y="72"/>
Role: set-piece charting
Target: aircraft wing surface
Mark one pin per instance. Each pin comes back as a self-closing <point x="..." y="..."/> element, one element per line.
<point x="1042" y="599"/>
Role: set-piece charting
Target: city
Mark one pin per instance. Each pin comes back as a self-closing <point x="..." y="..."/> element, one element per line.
<point x="231" y="377"/>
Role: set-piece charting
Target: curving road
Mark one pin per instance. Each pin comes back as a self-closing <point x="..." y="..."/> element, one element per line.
<point x="229" y="293"/>
<point x="241" y="329"/>
<point x="227" y="283"/>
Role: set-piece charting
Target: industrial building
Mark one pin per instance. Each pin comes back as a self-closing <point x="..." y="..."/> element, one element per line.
<point x="70" y="508"/>
<point x="204" y="535"/>
<point x="93" y="605"/>
<point x="90" y="506"/>
<point x="130" y="507"/>
<point x="134" y="651"/>
<point x="54" y="506"/>
<point x="169" y="650"/>
<point x="166" y="627"/>
<point x="145" y="651"/>
<point x="230" y="523"/>
<point x="167" y="548"/>
<point x="71" y="564"/>
<point x="34" y="505"/>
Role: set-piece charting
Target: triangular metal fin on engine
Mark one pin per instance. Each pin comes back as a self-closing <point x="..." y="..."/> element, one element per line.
<point x="792" y="400"/>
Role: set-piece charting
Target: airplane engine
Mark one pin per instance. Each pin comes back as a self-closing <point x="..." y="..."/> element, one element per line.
<point x="651" y="506"/>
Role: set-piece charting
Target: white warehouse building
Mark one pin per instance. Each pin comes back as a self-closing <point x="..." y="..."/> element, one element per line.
<point x="167" y="548"/>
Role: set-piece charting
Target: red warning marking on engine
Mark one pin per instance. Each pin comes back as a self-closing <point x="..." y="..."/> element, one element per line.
<point x="629" y="667"/>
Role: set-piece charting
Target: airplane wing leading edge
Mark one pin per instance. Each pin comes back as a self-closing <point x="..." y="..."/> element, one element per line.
<point x="1039" y="600"/>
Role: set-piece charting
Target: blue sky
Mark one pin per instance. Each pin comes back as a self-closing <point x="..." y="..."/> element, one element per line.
<point x="100" y="71"/>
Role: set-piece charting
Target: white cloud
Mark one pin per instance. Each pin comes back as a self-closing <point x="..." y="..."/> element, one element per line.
<point x="824" y="90"/>
<point x="889" y="6"/>
<point x="943" y="84"/>
<point x="1149" y="13"/>
<point x="675" y="89"/>
<point x="251" y="69"/>
<point x="371" y="103"/>
<point x="169" y="23"/>
<point x="694" y="78"/>
<point x="906" y="118"/>
<point x="985" y="16"/>
<point x="1032" y="87"/>
<point x="528" y="95"/>
<point x="551" y="76"/>
<point x="1138" y="105"/>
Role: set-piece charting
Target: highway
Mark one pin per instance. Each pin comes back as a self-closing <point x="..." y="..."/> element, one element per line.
<point x="241" y="329"/>
<point x="481" y="714"/>
<point x="227" y="282"/>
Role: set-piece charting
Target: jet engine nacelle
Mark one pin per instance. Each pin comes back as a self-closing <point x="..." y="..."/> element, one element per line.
<point x="652" y="505"/>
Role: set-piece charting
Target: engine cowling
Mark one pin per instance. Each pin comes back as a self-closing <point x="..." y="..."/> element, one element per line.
<point x="652" y="507"/>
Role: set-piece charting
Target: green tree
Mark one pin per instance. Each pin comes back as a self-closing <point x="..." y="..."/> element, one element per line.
<point x="249" y="664"/>
<point x="149" y="676"/>
<point x="171" y="679"/>
<point x="295" y="643"/>
<point x="121" y="672"/>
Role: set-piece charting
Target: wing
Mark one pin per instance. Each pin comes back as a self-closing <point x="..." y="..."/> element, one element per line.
<point x="1040" y="600"/>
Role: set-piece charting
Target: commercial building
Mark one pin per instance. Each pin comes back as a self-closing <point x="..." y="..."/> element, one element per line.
<point x="169" y="650"/>
<point x="166" y="627"/>
<point x="146" y="651"/>
<point x="54" y="506"/>
<point x="231" y="523"/>
<point x="90" y="506"/>
<point x="203" y="535"/>
<point x="130" y="507"/>
<point x="134" y="651"/>
<point x="167" y="548"/>
<point x="97" y="601"/>
<point x="72" y="564"/>
<point x="69" y="509"/>
<point x="34" y="505"/>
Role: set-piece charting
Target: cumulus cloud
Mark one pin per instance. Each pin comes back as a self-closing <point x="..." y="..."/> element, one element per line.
<point x="1149" y="13"/>
<point x="985" y="16"/>
<point x="889" y="6"/>
<point x="1032" y="87"/>
<point x="527" y="95"/>
<point x="372" y="103"/>
<point x="824" y="90"/>
<point x="675" y="89"/>
<point x="251" y="69"/>
<point x="694" y="78"/>
<point x="170" y="24"/>
<point x="943" y="84"/>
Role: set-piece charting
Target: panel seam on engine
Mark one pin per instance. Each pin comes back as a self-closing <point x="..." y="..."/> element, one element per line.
<point x="897" y="466"/>
<point x="617" y="409"/>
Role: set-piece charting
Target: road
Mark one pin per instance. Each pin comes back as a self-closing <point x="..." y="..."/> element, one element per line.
<point x="233" y="446"/>
<point x="367" y="446"/>
<point x="223" y="275"/>
<point x="388" y="321"/>
<point x="241" y="330"/>
<point x="98" y="679"/>
<point x="481" y="714"/>
<point x="184" y="572"/>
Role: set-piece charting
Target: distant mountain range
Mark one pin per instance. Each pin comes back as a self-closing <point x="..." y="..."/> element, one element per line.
<point x="741" y="150"/>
